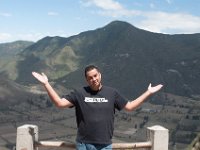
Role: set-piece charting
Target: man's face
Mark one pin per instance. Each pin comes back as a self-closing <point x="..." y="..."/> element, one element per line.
<point x="93" y="78"/>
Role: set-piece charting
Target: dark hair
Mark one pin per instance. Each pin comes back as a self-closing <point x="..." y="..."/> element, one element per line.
<point x="90" y="67"/>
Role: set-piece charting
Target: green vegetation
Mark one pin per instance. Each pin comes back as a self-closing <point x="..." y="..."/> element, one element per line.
<point x="129" y="58"/>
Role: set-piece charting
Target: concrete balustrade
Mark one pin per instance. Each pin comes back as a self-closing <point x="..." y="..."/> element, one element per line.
<point x="159" y="137"/>
<point x="196" y="143"/>
<point x="27" y="135"/>
<point x="27" y="139"/>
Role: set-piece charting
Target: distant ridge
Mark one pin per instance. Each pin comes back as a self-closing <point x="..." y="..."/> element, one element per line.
<point x="12" y="93"/>
<point x="13" y="48"/>
<point x="128" y="57"/>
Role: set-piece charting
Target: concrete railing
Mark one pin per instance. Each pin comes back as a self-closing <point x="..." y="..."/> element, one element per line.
<point x="196" y="143"/>
<point x="27" y="139"/>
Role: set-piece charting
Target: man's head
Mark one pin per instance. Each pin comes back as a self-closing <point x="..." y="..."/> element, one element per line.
<point x="93" y="77"/>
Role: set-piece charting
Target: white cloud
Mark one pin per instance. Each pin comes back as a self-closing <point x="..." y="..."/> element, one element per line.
<point x="165" y="22"/>
<point x="120" y="13"/>
<point x="6" y="14"/>
<point x="53" y="13"/>
<point x="110" y="8"/>
<point x="8" y="37"/>
<point x="4" y="37"/>
<point x="108" y="4"/>
<point x="156" y="21"/>
<point x="103" y="4"/>
<point x="32" y="36"/>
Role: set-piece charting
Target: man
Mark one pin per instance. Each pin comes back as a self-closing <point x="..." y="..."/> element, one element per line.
<point x="95" y="106"/>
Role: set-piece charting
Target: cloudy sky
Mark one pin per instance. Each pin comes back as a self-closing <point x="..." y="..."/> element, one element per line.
<point x="34" y="19"/>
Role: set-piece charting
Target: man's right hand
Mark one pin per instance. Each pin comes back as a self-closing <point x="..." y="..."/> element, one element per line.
<point x="40" y="77"/>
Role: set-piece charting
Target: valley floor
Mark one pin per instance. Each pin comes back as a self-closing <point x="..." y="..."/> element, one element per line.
<point x="180" y="115"/>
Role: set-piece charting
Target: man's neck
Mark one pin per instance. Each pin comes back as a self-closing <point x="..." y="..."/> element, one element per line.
<point x="97" y="88"/>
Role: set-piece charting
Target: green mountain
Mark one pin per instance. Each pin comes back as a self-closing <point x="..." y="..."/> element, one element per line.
<point x="12" y="93"/>
<point x="9" y="57"/>
<point x="13" y="48"/>
<point x="130" y="58"/>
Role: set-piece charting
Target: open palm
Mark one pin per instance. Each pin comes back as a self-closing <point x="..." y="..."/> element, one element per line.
<point x="40" y="77"/>
<point x="153" y="89"/>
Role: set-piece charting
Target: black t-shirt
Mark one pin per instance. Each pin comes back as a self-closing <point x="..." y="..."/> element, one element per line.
<point x="95" y="113"/>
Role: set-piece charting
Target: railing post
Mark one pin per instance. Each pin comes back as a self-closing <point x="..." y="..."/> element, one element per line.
<point x="26" y="136"/>
<point x="159" y="137"/>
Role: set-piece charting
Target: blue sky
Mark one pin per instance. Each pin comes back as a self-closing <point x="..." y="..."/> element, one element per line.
<point x="34" y="19"/>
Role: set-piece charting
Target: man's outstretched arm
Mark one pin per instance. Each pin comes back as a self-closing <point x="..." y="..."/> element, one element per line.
<point x="130" y="106"/>
<point x="59" y="102"/>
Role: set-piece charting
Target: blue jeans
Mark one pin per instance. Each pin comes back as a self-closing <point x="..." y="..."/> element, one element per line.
<point x="84" y="146"/>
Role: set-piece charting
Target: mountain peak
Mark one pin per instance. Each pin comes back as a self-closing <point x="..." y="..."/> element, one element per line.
<point x="120" y="24"/>
<point x="117" y="22"/>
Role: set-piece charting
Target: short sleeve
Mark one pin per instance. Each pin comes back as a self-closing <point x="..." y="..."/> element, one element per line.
<point x="120" y="101"/>
<point x="72" y="97"/>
